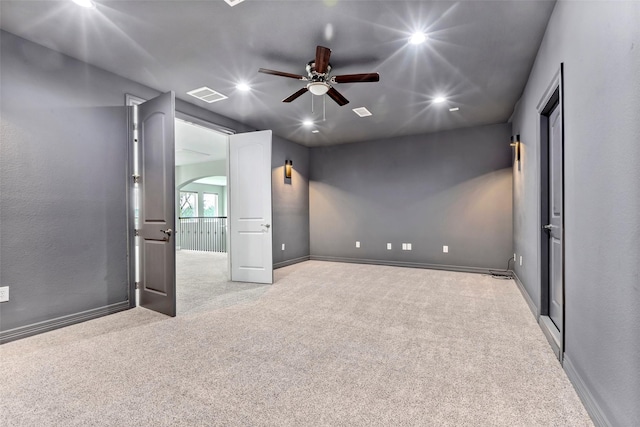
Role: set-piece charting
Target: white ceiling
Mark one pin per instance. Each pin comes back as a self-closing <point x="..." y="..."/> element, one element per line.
<point x="479" y="54"/>
<point x="196" y="144"/>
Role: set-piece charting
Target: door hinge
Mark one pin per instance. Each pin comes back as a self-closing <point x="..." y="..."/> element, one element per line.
<point x="137" y="285"/>
<point x="136" y="179"/>
<point x="136" y="233"/>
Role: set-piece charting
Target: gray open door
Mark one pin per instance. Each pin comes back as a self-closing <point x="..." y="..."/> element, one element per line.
<point x="156" y="135"/>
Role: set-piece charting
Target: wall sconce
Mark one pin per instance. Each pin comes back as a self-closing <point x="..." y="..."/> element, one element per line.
<point x="288" y="165"/>
<point x="515" y="143"/>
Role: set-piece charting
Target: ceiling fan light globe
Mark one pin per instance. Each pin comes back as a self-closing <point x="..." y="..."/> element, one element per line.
<point x="318" y="88"/>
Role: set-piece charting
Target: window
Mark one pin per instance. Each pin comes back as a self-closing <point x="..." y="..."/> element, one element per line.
<point x="188" y="204"/>
<point x="210" y="202"/>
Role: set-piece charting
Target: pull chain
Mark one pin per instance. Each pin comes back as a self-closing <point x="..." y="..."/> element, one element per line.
<point x="324" y="108"/>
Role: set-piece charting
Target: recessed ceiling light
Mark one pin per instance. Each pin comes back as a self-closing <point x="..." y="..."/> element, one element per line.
<point x="454" y="109"/>
<point x="85" y="3"/>
<point x="439" y="99"/>
<point x="308" y="122"/>
<point x="243" y="87"/>
<point x="417" y="38"/>
<point x="315" y="131"/>
<point x="362" y="112"/>
<point x="233" y="2"/>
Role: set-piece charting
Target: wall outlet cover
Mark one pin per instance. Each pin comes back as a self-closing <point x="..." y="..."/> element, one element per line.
<point x="389" y="246"/>
<point x="283" y="246"/>
<point x="4" y="294"/>
<point x="357" y="244"/>
<point x="520" y="259"/>
<point x="408" y="246"/>
<point x="445" y="249"/>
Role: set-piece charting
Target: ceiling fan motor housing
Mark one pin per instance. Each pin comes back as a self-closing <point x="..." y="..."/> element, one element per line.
<point x="314" y="75"/>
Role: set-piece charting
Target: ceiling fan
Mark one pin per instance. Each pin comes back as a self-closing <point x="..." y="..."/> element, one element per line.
<point x="319" y="78"/>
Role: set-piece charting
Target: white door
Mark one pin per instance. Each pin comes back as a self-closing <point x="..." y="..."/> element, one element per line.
<point x="250" y="207"/>
<point x="157" y="212"/>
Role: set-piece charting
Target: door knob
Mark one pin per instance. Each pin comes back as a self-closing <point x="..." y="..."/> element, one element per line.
<point x="266" y="225"/>
<point x="168" y="231"/>
<point x="549" y="226"/>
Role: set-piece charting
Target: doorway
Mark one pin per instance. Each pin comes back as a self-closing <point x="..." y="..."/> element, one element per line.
<point x="202" y="260"/>
<point x="552" y="244"/>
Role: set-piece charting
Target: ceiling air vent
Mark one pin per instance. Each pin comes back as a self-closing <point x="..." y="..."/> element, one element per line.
<point x="233" y="2"/>
<point x="207" y="94"/>
<point x="362" y="112"/>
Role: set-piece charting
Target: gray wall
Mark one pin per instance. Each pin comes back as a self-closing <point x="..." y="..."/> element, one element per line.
<point x="63" y="183"/>
<point x="290" y="202"/>
<point x="63" y="186"/>
<point x="451" y="188"/>
<point x="599" y="43"/>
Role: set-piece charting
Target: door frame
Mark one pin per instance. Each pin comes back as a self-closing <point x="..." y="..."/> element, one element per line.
<point x="131" y="102"/>
<point x="553" y="95"/>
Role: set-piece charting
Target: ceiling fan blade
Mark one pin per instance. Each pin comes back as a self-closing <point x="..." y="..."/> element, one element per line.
<point x="295" y="95"/>
<point x="282" y="74"/>
<point x="357" y="78"/>
<point x="322" y="59"/>
<point x="337" y="96"/>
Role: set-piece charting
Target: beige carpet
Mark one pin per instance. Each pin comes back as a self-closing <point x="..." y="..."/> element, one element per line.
<point x="201" y="283"/>
<point x="328" y="344"/>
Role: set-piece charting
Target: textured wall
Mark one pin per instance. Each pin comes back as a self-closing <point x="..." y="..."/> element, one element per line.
<point x="63" y="180"/>
<point x="599" y="43"/>
<point x="290" y="201"/>
<point x="450" y="188"/>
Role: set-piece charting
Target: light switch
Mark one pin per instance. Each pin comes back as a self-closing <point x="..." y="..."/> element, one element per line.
<point x="388" y="246"/>
<point x="445" y="249"/>
<point x="283" y="246"/>
<point x="357" y="244"/>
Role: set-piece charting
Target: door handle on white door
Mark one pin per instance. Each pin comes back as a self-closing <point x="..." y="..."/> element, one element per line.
<point x="549" y="226"/>
<point x="266" y="225"/>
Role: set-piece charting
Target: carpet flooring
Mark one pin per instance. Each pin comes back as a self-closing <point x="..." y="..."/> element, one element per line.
<point x="328" y="344"/>
<point x="201" y="283"/>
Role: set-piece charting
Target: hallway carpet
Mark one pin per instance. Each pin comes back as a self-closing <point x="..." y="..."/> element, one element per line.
<point x="328" y="344"/>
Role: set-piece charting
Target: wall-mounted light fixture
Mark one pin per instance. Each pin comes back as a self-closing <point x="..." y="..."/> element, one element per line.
<point x="515" y="143"/>
<point x="288" y="165"/>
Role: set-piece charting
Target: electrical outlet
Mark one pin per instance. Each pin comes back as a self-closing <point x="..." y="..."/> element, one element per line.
<point x="357" y="244"/>
<point x="283" y="246"/>
<point x="389" y="246"/>
<point x="445" y="249"/>
<point x="520" y="259"/>
<point x="4" y="294"/>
